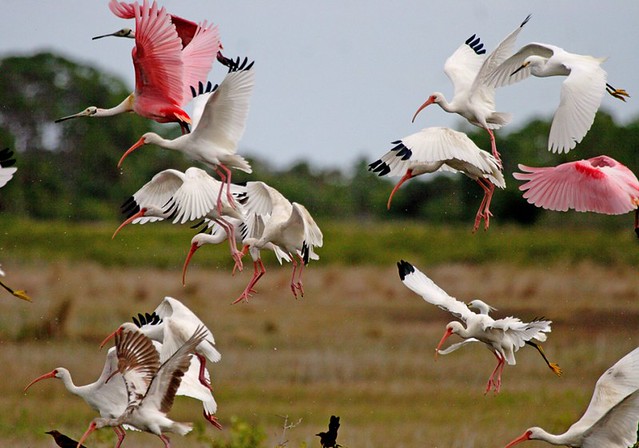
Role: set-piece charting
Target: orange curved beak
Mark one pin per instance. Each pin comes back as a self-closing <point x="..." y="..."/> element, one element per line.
<point x="137" y="215"/>
<point x="131" y="149"/>
<point x="109" y="337"/>
<point x="89" y="430"/>
<point x="447" y="334"/>
<point x="408" y="175"/>
<point x="40" y="378"/>
<point x="522" y="438"/>
<point x="194" y="247"/>
<point x="428" y="102"/>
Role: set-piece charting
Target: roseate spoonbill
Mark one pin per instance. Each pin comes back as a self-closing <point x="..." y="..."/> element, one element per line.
<point x="109" y="399"/>
<point x="7" y="170"/>
<point x="287" y="225"/>
<point x="442" y="149"/>
<point x="217" y="130"/>
<point x="62" y="440"/>
<point x="151" y="384"/>
<point x="215" y="234"/>
<point x="186" y="29"/>
<point x="164" y="72"/>
<point x="581" y="92"/>
<point x="611" y="417"/>
<point x="176" y="322"/>
<point x="468" y="69"/>
<point x="599" y="184"/>
<point x="502" y="336"/>
<point x="184" y="196"/>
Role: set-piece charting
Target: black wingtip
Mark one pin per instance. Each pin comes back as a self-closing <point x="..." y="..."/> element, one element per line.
<point x="404" y="268"/>
<point x="525" y="20"/>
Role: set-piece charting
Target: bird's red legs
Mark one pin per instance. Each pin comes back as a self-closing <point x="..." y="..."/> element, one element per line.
<point x="258" y="272"/>
<point x="299" y="269"/>
<point x="230" y="232"/>
<point x="213" y="420"/>
<point x="493" y="146"/>
<point x="243" y="252"/>
<point x="165" y="439"/>
<point x="202" y="376"/>
<point x="496" y="371"/>
<point x="225" y="175"/>
<point x="119" y="431"/>
<point x="484" y="207"/>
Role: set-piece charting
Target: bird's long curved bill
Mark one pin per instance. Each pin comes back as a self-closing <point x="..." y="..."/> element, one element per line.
<point x="447" y="334"/>
<point x="89" y="430"/>
<point x="522" y="438"/>
<point x="117" y="34"/>
<point x="128" y="221"/>
<point x="137" y="144"/>
<point x="194" y="247"/>
<point x="523" y="66"/>
<point x="428" y="102"/>
<point x="69" y="117"/>
<point x="406" y="176"/>
<point x="40" y="378"/>
<point x="108" y="338"/>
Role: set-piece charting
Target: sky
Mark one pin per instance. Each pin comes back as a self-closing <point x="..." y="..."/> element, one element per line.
<point x="339" y="80"/>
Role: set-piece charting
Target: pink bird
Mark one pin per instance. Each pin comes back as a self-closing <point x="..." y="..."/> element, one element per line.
<point x="164" y="71"/>
<point x="468" y="69"/>
<point x="442" y="149"/>
<point x="600" y="185"/>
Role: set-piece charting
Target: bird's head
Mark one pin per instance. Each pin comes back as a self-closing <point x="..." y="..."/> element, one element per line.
<point x="55" y="373"/>
<point x="196" y="242"/>
<point x="148" y="138"/>
<point x="481" y="306"/>
<point x="529" y="434"/>
<point x="97" y="423"/>
<point x="140" y="214"/>
<point x="452" y="328"/>
<point x="435" y="97"/>
<point x="116" y="332"/>
<point x="88" y="112"/>
<point x="124" y="32"/>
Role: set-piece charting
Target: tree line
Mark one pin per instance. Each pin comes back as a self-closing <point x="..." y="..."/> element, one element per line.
<point x="70" y="171"/>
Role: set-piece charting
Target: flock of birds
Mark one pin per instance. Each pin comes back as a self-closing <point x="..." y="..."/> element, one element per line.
<point x="165" y="353"/>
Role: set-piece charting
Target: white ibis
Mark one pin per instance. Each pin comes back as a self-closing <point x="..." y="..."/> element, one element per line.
<point x="502" y="336"/>
<point x="599" y="184"/>
<point x="581" y="92"/>
<point x="151" y="385"/>
<point x="287" y="225"/>
<point x="468" y="68"/>
<point x="442" y="149"/>
<point x="164" y="72"/>
<point x="611" y="417"/>
<point x="215" y="135"/>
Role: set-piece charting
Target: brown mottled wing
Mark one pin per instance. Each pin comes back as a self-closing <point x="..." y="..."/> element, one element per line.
<point x="166" y="382"/>
<point x="138" y="362"/>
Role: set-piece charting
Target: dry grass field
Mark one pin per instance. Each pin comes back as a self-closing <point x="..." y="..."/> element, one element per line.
<point x="358" y="345"/>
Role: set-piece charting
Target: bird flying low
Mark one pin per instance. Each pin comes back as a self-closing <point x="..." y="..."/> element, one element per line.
<point x="502" y="336"/>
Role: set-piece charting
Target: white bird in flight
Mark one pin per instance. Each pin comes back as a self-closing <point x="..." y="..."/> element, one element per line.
<point x="468" y="69"/>
<point x="443" y="149"/>
<point x="611" y="417"/>
<point x="581" y="92"/>
<point x="502" y="336"/>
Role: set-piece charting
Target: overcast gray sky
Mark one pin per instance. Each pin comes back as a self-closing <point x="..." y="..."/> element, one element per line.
<point x="338" y="80"/>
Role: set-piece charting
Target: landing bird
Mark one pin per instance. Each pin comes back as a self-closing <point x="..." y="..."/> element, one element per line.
<point x="151" y="385"/>
<point x="442" y="149"/>
<point x="63" y="441"/>
<point x="217" y="129"/>
<point x="611" y="417"/>
<point x="600" y="185"/>
<point x="328" y="439"/>
<point x="216" y="234"/>
<point x="468" y="69"/>
<point x="184" y="196"/>
<point x="287" y="225"/>
<point x="502" y="336"/>
<point x="483" y="308"/>
<point x="581" y="92"/>
<point x="175" y="323"/>
<point x="164" y="72"/>
<point x="186" y="29"/>
<point x="7" y="170"/>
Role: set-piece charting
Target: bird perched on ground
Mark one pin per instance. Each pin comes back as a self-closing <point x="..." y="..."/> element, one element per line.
<point x="328" y="439"/>
<point x="610" y="420"/>
<point x="599" y="184"/>
<point x="63" y="441"/>
<point x="581" y="92"/>
<point x="468" y="69"/>
<point x="442" y="149"/>
<point x="502" y="336"/>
